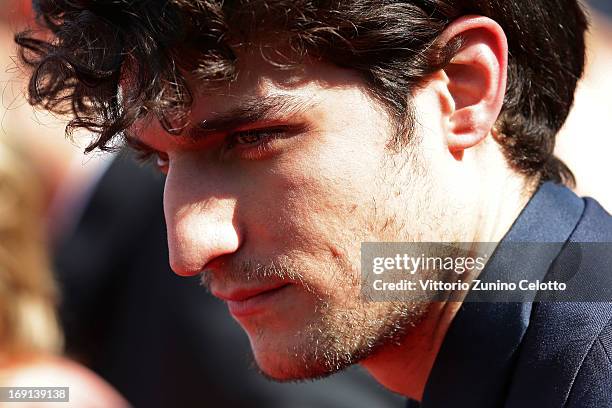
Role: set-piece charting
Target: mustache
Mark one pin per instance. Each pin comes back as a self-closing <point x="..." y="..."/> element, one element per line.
<point x="253" y="270"/>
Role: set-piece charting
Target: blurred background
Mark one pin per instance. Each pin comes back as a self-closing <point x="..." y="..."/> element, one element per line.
<point x="110" y="303"/>
<point x="585" y="142"/>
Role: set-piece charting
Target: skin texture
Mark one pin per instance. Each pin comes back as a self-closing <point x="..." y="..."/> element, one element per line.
<point x="284" y="203"/>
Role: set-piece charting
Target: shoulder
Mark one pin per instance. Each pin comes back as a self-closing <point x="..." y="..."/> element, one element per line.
<point x="86" y="389"/>
<point x="591" y="384"/>
<point x="564" y="358"/>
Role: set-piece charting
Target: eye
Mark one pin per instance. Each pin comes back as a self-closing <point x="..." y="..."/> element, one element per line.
<point x="158" y="159"/>
<point x="162" y="161"/>
<point x="255" y="137"/>
<point x="257" y="144"/>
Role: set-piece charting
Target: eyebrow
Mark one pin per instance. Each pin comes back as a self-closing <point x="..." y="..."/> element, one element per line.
<point x="250" y="110"/>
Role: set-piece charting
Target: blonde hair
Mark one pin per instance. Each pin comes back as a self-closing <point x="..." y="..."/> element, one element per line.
<point x="28" y="322"/>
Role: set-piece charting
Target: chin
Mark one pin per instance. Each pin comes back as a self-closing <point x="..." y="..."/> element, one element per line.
<point x="299" y="361"/>
<point x="289" y="368"/>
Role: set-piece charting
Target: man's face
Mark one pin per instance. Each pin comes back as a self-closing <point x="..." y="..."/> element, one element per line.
<point x="272" y="197"/>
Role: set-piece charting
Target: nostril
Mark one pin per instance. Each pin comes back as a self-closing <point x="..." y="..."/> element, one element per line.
<point x="182" y="268"/>
<point x="197" y="242"/>
<point x="184" y="257"/>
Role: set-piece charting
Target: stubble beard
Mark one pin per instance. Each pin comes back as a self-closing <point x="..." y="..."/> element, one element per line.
<point x="340" y="338"/>
<point x="338" y="335"/>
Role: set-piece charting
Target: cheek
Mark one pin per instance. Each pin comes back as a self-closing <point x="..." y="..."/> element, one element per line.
<point x="316" y="197"/>
<point x="317" y="206"/>
<point x="290" y="209"/>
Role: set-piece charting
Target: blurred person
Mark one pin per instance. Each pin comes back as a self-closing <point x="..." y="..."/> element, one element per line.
<point x="57" y="162"/>
<point x="585" y="141"/>
<point x="292" y="132"/>
<point x="30" y="339"/>
<point x="32" y="166"/>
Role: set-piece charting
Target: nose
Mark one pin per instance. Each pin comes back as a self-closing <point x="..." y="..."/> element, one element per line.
<point x="200" y="222"/>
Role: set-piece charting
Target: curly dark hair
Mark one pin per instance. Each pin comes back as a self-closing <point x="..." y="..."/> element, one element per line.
<point x="79" y="67"/>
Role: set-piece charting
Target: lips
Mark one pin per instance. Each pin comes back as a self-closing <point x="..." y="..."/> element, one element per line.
<point x="245" y="302"/>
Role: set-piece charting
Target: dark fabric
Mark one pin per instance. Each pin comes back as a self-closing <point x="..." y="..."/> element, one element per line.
<point x="160" y="339"/>
<point x="591" y="386"/>
<point x="540" y="354"/>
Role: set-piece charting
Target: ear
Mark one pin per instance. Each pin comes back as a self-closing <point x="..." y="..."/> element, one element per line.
<point x="476" y="80"/>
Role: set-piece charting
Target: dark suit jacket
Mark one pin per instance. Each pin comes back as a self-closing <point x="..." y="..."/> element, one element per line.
<point x="536" y="354"/>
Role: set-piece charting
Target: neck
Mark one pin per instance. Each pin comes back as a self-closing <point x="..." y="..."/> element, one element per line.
<point x="404" y="368"/>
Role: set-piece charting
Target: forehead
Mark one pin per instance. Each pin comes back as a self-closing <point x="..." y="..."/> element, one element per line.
<point x="258" y="78"/>
<point x="260" y="92"/>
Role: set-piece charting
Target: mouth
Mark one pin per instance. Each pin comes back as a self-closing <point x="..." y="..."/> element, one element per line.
<point x="246" y="302"/>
